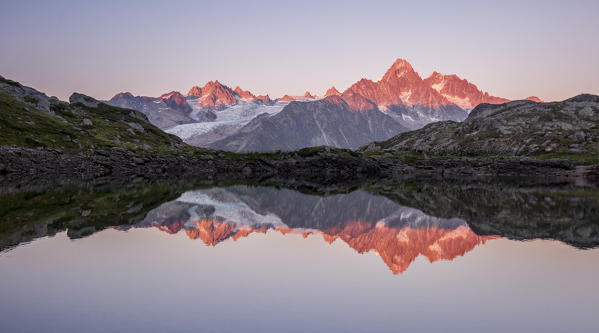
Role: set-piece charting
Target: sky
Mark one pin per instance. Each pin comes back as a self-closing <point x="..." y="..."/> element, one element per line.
<point x="512" y="49"/>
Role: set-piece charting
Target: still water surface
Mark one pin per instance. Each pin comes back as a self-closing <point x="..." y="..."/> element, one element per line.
<point x="274" y="260"/>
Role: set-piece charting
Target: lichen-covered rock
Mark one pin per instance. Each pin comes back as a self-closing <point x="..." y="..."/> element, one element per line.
<point x="514" y="128"/>
<point x="83" y="99"/>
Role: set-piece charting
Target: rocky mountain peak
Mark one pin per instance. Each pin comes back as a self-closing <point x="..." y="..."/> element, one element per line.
<point x="214" y="94"/>
<point x="286" y="98"/>
<point x="459" y="91"/>
<point x="264" y="98"/>
<point x="308" y="95"/>
<point x="245" y="93"/>
<point x="195" y="91"/>
<point x="399" y="68"/>
<point x="332" y="91"/>
<point x="435" y="77"/>
<point x="172" y="94"/>
<point x="176" y="100"/>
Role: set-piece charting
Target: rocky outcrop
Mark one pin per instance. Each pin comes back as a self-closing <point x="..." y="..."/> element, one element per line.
<point x="31" y="96"/>
<point x="84" y="100"/>
<point x="514" y="128"/>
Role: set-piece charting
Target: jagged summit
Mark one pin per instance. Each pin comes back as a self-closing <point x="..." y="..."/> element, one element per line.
<point x="176" y="100"/>
<point x="286" y="98"/>
<point x="332" y="91"/>
<point x="213" y="94"/>
<point x="400" y="67"/>
<point x="459" y="91"/>
<point x="245" y="94"/>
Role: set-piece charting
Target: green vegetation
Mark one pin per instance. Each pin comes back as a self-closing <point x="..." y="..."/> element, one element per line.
<point x="25" y="126"/>
<point x="10" y="82"/>
<point x="77" y="208"/>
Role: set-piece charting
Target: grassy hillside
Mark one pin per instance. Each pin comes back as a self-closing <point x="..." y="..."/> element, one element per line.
<point x="72" y="127"/>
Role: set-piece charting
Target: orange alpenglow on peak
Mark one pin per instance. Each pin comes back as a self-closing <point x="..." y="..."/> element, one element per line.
<point x="176" y="100"/>
<point x="332" y="92"/>
<point x="357" y="102"/>
<point x="308" y="95"/>
<point x="397" y="247"/>
<point x="459" y="91"/>
<point x="399" y="68"/>
<point x="286" y="98"/>
<point x="534" y="99"/>
<point x="213" y="94"/>
<point x="244" y="93"/>
<point x="401" y="85"/>
<point x="335" y="99"/>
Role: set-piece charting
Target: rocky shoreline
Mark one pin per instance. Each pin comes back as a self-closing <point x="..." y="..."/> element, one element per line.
<point x="40" y="167"/>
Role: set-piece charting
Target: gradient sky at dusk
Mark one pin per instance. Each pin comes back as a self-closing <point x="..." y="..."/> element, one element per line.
<point x="512" y="49"/>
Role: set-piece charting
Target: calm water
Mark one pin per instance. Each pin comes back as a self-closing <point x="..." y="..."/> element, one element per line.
<point x="378" y="259"/>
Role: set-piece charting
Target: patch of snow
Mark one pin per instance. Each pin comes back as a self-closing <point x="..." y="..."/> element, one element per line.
<point x="237" y="114"/>
<point x="406" y="117"/>
<point x="464" y="103"/>
<point x="229" y="209"/>
<point x="405" y="97"/>
<point x="438" y="86"/>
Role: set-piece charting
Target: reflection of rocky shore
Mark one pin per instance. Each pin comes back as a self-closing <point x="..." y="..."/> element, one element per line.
<point x="214" y="214"/>
<point x="570" y="215"/>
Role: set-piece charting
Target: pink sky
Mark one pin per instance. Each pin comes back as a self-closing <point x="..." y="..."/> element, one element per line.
<point x="507" y="48"/>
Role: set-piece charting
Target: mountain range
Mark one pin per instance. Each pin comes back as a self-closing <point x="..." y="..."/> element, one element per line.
<point x="216" y="116"/>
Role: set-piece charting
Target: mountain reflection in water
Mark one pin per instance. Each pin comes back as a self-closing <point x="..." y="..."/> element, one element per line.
<point x="397" y="222"/>
<point x="122" y="258"/>
<point x="365" y="222"/>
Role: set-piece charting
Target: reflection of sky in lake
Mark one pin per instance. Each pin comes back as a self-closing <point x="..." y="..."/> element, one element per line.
<point x="148" y="280"/>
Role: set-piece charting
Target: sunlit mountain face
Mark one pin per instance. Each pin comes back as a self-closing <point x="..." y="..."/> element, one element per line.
<point x="365" y="222"/>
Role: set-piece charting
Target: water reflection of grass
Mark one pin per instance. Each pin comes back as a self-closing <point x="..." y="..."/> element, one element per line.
<point x="567" y="214"/>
